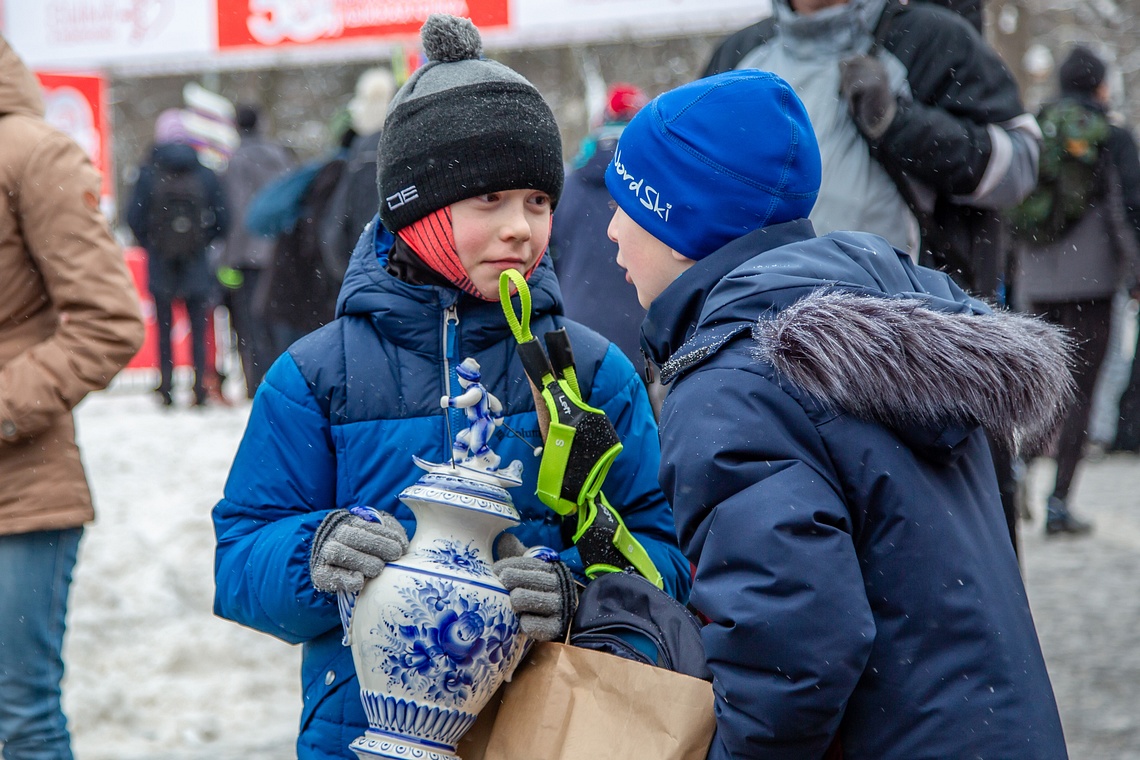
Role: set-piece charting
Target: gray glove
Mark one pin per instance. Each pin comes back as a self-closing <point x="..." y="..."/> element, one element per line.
<point x="349" y="549"/>
<point x="865" y="85"/>
<point x="542" y="590"/>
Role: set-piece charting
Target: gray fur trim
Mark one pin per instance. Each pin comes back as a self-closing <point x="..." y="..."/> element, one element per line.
<point x="450" y="38"/>
<point x="901" y="363"/>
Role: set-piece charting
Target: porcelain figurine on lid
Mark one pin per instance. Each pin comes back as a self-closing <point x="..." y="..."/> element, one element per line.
<point x="484" y="413"/>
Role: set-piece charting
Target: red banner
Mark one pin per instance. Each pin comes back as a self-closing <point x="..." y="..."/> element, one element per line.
<point x="261" y="23"/>
<point x="76" y="104"/>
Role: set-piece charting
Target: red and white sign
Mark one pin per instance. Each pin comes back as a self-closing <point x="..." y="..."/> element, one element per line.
<point x="76" y="104"/>
<point x="561" y="21"/>
<point x="88" y="34"/>
<point x="188" y="35"/>
<point x="268" y="23"/>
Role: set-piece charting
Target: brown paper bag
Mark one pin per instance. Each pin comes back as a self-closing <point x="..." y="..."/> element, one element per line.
<point x="569" y="703"/>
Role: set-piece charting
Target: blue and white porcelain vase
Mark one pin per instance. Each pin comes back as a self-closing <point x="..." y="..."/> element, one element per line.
<point x="433" y="636"/>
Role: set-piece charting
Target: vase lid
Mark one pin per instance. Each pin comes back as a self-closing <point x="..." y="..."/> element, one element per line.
<point x="467" y="487"/>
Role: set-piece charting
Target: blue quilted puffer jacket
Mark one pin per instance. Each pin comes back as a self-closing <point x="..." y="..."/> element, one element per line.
<point x="336" y="423"/>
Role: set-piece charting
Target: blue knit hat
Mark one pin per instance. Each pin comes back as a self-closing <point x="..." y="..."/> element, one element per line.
<point x="715" y="159"/>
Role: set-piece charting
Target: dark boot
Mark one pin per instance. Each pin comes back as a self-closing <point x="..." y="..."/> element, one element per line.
<point x="1059" y="520"/>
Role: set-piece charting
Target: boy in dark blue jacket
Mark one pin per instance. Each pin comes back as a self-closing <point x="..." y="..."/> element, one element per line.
<point x="470" y="170"/>
<point x="824" y="451"/>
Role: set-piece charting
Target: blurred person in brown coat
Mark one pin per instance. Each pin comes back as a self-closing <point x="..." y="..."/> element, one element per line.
<point x="69" y="321"/>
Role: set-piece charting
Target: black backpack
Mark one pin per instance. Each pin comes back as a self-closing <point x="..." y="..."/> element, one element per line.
<point x="625" y="615"/>
<point x="180" y="216"/>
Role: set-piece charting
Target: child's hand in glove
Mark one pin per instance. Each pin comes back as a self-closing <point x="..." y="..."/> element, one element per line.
<point x="864" y="83"/>
<point x="542" y="590"/>
<point x="349" y="549"/>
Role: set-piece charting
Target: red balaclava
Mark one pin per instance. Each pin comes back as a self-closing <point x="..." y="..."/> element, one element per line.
<point x="433" y="239"/>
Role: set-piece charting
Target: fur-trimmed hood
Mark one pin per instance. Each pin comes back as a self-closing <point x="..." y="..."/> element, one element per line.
<point x="901" y="363"/>
<point x="857" y="326"/>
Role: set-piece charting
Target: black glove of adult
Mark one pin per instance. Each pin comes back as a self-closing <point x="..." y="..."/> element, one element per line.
<point x="348" y="549"/>
<point x="542" y="590"/>
<point x="865" y="85"/>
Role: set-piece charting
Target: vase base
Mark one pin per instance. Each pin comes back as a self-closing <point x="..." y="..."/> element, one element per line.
<point x="372" y="746"/>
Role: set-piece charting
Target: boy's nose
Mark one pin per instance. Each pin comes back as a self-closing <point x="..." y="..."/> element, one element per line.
<point x="515" y="224"/>
<point x="610" y="231"/>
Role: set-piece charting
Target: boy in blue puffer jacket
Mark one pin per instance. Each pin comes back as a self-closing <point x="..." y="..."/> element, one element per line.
<point x="470" y="170"/>
<point x="823" y="448"/>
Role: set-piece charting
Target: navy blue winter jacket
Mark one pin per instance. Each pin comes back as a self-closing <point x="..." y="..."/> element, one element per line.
<point x="856" y="568"/>
<point x="335" y="424"/>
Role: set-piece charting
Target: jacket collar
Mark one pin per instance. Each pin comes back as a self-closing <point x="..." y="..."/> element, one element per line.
<point x="847" y="28"/>
<point x="673" y="317"/>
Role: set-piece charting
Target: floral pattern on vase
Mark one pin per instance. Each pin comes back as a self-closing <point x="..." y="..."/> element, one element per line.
<point x="454" y="554"/>
<point x="443" y="644"/>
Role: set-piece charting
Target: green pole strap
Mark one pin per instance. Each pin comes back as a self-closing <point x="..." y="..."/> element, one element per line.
<point x="608" y="545"/>
<point x="520" y="327"/>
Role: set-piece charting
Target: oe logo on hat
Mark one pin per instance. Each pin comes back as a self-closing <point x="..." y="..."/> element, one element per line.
<point x="407" y="195"/>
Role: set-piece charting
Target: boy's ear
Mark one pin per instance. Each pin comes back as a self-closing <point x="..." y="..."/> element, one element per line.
<point x="682" y="258"/>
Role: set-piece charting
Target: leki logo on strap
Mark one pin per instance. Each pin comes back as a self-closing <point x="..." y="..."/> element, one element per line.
<point x="406" y="195"/>
<point x="646" y="195"/>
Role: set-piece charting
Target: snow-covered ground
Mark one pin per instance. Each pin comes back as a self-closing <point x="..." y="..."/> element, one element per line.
<point x="151" y="673"/>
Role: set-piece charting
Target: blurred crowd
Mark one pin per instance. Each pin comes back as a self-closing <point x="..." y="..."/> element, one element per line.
<point x="273" y="235"/>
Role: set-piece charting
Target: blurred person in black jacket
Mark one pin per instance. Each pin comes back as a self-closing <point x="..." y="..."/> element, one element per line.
<point x="595" y="290"/>
<point x="176" y="210"/>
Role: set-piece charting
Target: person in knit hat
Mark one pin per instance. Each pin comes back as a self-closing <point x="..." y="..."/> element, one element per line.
<point x="594" y="289"/>
<point x="176" y="209"/>
<point x="623" y="101"/>
<point x="470" y="172"/>
<point x="1081" y="73"/>
<point x="824" y="447"/>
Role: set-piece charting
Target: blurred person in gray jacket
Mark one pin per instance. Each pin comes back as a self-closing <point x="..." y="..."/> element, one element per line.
<point x="1071" y="280"/>
<point x="246" y="256"/>
<point x="921" y="128"/>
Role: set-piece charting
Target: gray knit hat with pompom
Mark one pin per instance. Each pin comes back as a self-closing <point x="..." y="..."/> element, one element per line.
<point x="462" y="126"/>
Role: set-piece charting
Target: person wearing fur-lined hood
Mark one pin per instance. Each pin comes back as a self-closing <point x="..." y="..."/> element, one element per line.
<point x="824" y="447"/>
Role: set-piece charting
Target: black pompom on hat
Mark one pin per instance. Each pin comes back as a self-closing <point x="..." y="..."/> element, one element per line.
<point x="1082" y="72"/>
<point x="462" y="126"/>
